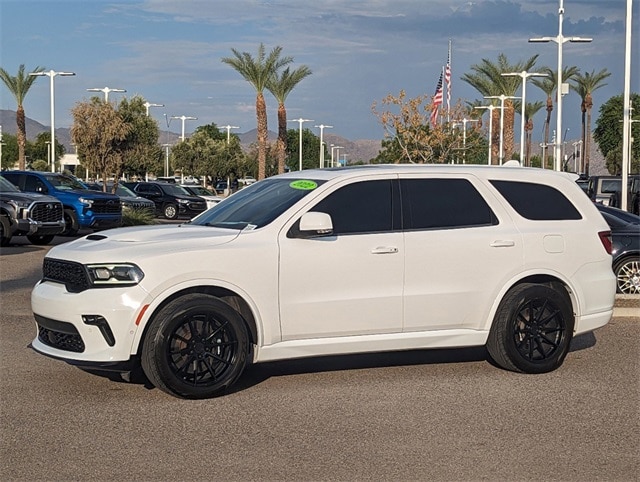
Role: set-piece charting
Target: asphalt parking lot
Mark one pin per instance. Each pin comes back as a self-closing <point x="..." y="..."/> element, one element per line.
<point x="420" y="415"/>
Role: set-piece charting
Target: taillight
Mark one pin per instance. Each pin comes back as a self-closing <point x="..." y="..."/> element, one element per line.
<point x="605" y="237"/>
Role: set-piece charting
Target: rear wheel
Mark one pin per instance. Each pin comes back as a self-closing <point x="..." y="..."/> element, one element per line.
<point x="195" y="347"/>
<point x="627" y="273"/>
<point x="532" y="329"/>
<point x="171" y="211"/>
<point x="5" y="231"/>
<point x="40" y="239"/>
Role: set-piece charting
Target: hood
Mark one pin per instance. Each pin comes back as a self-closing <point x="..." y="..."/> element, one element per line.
<point x="140" y="242"/>
<point x="27" y="196"/>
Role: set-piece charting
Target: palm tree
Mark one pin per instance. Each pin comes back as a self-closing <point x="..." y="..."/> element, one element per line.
<point x="257" y="71"/>
<point x="548" y="86"/>
<point x="281" y="86"/>
<point x="488" y="80"/>
<point x="584" y="85"/>
<point x="530" y="109"/>
<point x="19" y="86"/>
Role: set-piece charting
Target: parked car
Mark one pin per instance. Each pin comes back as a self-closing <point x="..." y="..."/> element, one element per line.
<point x="329" y="262"/>
<point x="625" y="234"/>
<point x="602" y="188"/>
<point x="83" y="208"/>
<point x="130" y="200"/>
<point x="221" y="187"/>
<point x="171" y="200"/>
<point x="37" y="216"/>
<point x="210" y="198"/>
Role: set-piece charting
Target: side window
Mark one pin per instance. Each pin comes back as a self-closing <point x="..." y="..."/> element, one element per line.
<point x="361" y="207"/>
<point x="33" y="184"/>
<point x="443" y="203"/>
<point x="143" y="188"/>
<point x="537" y="202"/>
<point x="155" y="190"/>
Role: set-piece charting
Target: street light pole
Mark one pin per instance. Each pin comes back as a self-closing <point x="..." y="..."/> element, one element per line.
<point x="228" y="127"/>
<point x="464" y="121"/>
<point x="183" y="118"/>
<point x="322" y="127"/>
<point x="166" y="159"/>
<point x="52" y="74"/>
<point x="149" y="104"/>
<point x="502" y="98"/>
<point x="300" y="121"/>
<point x="106" y="91"/>
<point x="524" y="75"/>
<point x="337" y="148"/>
<point x="560" y="89"/>
<point x="490" y="108"/>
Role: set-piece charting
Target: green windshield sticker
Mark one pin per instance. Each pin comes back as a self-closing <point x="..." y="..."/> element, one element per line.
<point x="303" y="185"/>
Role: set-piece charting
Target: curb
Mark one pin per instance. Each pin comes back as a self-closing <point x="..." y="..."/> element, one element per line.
<point x="627" y="306"/>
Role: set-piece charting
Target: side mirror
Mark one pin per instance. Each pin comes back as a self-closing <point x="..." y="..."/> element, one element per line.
<point x="314" y="223"/>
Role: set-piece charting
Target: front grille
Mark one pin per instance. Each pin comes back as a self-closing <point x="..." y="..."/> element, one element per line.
<point x="198" y="206"/>
<point x="72" y="275"/>
<point x="46" y="212"/>
<point x="59" y="340"/>
<point x="106" y="206"/>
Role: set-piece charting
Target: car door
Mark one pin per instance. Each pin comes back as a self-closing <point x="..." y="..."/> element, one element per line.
<point x="348" y="282"/>
<point x="459" y="252"/>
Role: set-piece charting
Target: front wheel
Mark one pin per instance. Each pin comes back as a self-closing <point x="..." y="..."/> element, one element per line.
<point x="71" y="223"/>
<point x="627" y="273"/>
<point x="532" y="329"/>
<point x="195" y="347"/>
<point x="40" y="239"/>
<point x="171" y="211"/>
<point x="5" y="231"/>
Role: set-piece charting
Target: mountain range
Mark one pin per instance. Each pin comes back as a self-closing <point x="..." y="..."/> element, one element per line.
<point x="358" y="150"/>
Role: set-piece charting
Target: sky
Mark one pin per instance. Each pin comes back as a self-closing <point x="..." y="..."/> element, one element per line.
<point x="170" y="51"/>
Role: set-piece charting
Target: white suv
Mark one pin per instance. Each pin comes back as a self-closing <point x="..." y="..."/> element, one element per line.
<point x="336" y="261"/>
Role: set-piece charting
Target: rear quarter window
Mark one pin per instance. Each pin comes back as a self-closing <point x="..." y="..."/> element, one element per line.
<point x="537" y="202"/>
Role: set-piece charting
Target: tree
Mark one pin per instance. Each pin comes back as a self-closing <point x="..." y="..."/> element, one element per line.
<point x="488" y="80"/>
<point x="608" y="133"/>
<point x="40" y="148"/>
<point x="19" y="85"/>
<point x="257" y="71"/>
<point x="310" y="149"/>
<point x="281" y="86"/>
<point x="530" y="110"/>
<point x="409" y="136"/>
<point x="98" y="131"/>
<point x="9" y="151"/>
<point x="548" y="86"/>
<point x="584" y="85"/>
<point x="139" y="150"/>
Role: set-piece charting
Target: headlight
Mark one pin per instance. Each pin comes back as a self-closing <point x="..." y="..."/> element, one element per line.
<point x="183" y="201"/>
<point x="86" y="202"/>
<point x="114" y="274"/>
<point x="19" y="204"/>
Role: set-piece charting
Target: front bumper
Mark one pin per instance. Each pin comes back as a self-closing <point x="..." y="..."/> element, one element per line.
<point x="94" y="326"/>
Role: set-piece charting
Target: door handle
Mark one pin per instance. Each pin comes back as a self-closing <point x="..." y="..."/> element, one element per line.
<point x="503" y="243"/>
<point x="384" y="250"/>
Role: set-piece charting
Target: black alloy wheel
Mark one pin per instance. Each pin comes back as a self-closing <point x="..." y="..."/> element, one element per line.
<point x="532" y="329"/>
<point x="196" y="347"/>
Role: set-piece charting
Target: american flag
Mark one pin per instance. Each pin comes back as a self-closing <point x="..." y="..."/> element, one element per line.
<point x="447" y="78"/>
<point x="437" y="102"/>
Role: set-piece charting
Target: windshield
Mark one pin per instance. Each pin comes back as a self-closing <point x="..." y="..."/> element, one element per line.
<point x="124" y="191"/>
<point x="6" y="186"/>
<point x="200" y="191"/>
<point x="257" y="205"/>
<point x="65" y="182"/>
<point x="175" y="190"/>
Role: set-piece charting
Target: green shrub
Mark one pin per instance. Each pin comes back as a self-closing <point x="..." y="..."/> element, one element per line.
<point x="138" y="217"/>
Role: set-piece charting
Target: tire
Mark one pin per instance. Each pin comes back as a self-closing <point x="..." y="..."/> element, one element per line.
<point x="517" y="344"/>
<point x="627" y="273"/>
<point x="170" y="211"/>
<point x="40" y="239"/>
<point x="195" y="347"/>
<point x="5" y="231"/>
<point x="71" y="223"/>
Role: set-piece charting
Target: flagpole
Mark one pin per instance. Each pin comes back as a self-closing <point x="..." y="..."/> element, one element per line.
<point x="447" y="78"/>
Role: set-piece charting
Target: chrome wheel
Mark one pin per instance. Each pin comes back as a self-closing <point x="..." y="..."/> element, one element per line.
<point x="628" y="276"/>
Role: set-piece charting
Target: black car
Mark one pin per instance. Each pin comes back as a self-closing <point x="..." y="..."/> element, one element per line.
<point x="625" y="234"/>
<point x="171" y="200"/>
<point x="37" y="216"/>
<point x="130" y="200"/>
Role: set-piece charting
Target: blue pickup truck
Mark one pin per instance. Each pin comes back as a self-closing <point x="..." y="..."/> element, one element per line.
<point x="83" y="208"/>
